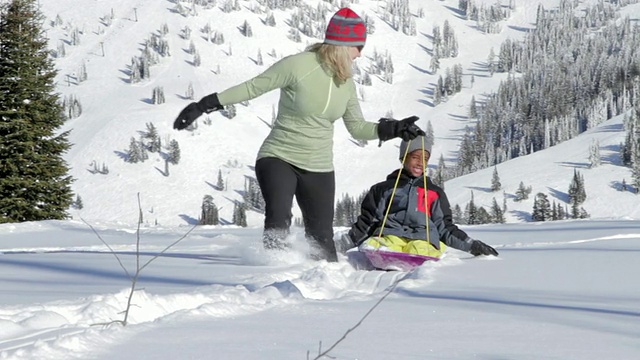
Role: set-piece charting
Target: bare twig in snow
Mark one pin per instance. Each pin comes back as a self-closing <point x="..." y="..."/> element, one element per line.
<point x="344" y="336"/>
<point x="134" y="278"/>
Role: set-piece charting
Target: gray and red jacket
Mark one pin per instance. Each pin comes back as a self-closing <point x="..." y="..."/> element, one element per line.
<point x="407" y="215"/>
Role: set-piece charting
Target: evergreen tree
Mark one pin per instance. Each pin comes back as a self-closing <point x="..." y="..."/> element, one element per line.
<point x="209" y="212"/>
<point x="245" y="29"/>
<point x="134" y="154"/>
<point x="259" y="60"/>
<point x="153" y="138"/>
<point x="523" y="192"/>
<point x="190" y="94"/>
<point x="497" y="215"/>
<point x="482" y="216"/>
<point x="561" y="213"/>
<point x="429" y="134"/>
<point x="458" y="218"/>
<point x="239" y="214"/>
<point x="158" y="95"/>
<point x="77" y="203"/>
<point x="434" y="65"/>
<point x="441" y="172"/>
<point x="253" y="195"/>
<point x="34" y="179"/>
<point x="220" y="182"/>
<point x="594" y="154"/>
<point x="471" y="212"/>
<point x="577" y="193"/>
<point x="174" y="152"/>
<point x="495" y="180"/>
<point x="541" y="208"/>
<point x="270" y="20"/>
<point x="473" y="109"/>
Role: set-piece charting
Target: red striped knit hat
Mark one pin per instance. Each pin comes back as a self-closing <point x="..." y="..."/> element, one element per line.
<point x="346" y="28"/>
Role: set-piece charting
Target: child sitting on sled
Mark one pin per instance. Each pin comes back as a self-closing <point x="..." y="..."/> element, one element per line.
<point x="419" y="220"/>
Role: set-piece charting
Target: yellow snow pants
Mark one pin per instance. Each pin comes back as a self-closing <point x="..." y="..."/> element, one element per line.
<point x="409" y="246"/>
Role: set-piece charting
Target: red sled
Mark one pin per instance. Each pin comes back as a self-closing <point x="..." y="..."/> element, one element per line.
<point x="393" y="260"/>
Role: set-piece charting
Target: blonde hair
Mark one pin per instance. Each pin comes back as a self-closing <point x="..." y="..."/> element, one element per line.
<point x="335" y="59"/>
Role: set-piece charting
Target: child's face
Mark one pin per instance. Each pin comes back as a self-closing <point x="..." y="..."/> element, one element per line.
<point x="416" y="162"/>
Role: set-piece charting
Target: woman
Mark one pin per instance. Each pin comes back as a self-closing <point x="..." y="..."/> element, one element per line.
<point x="296" y="158"/>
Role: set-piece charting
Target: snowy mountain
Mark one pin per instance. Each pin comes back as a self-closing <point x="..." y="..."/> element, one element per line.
<point x="103" y="38"/>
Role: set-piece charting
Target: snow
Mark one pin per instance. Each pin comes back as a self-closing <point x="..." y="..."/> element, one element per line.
<point x="561" y="290"/>
<point x="558" y="290"/>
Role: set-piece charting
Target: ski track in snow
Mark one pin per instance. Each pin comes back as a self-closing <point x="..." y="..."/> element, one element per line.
<point x="570" y="242"/>
<point x="80" y="326"/>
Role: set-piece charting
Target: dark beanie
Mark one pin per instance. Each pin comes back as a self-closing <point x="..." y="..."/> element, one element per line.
<point x="415" y="144"/>
<point x="346" y="28"/>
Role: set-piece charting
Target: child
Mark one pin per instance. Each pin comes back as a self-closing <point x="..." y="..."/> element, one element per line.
<point x="405" y="227"/>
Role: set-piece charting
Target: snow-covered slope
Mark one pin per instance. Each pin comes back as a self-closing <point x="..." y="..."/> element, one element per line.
<point x="114" y="110"/>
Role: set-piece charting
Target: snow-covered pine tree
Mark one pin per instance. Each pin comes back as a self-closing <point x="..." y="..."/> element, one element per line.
<point x="495" y="180"/>
<point x="438" y="91"/>
<point x="185" y="33"/>
<point x="152" y="137"/>
<point x="197" y="59"/>
<point x="491" y="61"/>
<point x="174" y="152"/>
<point x="253" y="195"/>
<point x="259" y="60"/>
<point x="440" y="175"/>
<point x="473" y="110"/>
<point x="497" y="215"/>
<point x="134" y="153"/>
<point x="61" y="50"/>
<point x="245" y="29"/>
<point x="471" y="212"/>
<point x="239" y="214"/>
<point x="74" y="37"/>
<point x="577" y="194"/>
<point x="429" y="134"/>
<point x="77" y="203"/>
<point x="270" y="20"/>
<point x="158" y="95"/>
<point x="483" y="216"/>
<point x="220" y="182"/>
<point x="434" y="65"/>
<point x="456" y="214"/>
<point x="523" y="192"/>
<point x="34" y="177"/>
<point x="190" y="94"/>
<point x="82" y="72"/>
<point x="594" y="154"/>
<point x="72" y="107"/>
<point x="366" y="79"/>
<point x="541" y="208"/>
<point x="209" y="214"/>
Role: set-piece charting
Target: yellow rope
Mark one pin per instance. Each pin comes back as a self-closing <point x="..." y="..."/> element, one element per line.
<point x="395" y="186"/>
<point x="426" y="198"/>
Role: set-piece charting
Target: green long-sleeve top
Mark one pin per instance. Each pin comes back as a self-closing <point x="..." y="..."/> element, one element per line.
<point x="310" y="102"/>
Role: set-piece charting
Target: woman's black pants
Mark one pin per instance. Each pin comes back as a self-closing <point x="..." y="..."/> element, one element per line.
<point x="314" y="191"/>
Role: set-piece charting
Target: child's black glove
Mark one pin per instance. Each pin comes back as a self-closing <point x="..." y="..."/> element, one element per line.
<point x="480" y="248"/>
<point x="405" y="129"/>
<point x="193" y="111"/>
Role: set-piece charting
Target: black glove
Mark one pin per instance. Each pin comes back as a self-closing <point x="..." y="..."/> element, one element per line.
<point x="344" y="243"/>
<point x="480" y="248"/>
<point x="193" y="111"/>
<point x="405" y="129"/>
